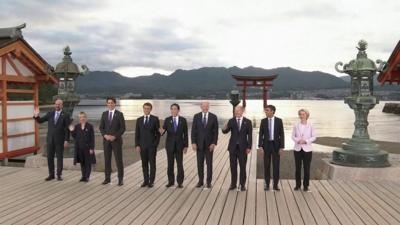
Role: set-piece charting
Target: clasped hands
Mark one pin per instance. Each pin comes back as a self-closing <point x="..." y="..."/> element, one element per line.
<point x="109" y="137"/>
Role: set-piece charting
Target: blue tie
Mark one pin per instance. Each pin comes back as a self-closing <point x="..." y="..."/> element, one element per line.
<point x="204" y="121"/>
<point x="174" y="123"/>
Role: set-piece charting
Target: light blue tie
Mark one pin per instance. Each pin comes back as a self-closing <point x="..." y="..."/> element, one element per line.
<point x="57" y="116"/>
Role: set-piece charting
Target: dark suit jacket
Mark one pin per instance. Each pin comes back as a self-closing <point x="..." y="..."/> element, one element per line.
<point x="147" y="136"/>
<point x="84" y="142"/>
<point x="279" y="134"/>
<point x="58" y="132"/>
<point x="201" y="134"/>
<point x="244" y="137"/>
<point x="180" y="137"/>
<point x="117" y="127"/>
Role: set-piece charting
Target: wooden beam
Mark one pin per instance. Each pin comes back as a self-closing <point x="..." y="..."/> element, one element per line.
<point x="20" y="103"/>
<point x="19" y="119"/>
<point x="22" y="151"/>
<point x="16" y="79"/>
<point x="258" y="85"/>
<point x="20" y="91"/>
<point x="13" y="65"/>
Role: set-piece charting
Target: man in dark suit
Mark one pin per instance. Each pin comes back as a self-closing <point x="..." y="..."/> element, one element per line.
<point x="147" y="137"/>
<point x="57" y="136"/>
<point x="204" y="140"/>
<point x="112" y="127"/>
<point x="239" y="145"/>
<point x="271" y="142"/>
<point x="176" y="144"/>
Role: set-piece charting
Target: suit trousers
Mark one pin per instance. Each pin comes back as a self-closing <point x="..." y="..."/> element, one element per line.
<point x="302" y="157"/>
<point x="234" y="157"/>
<point x="116" y="147"/>
<point x="207" y="155"/>
<point x="55" y="149"/>
<point x="175" y="154"/>
<point x="271" y="153"/>
<point x="148" y="156"/>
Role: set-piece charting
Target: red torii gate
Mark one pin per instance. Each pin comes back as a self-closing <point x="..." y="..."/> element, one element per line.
<point x="254" y="81"/>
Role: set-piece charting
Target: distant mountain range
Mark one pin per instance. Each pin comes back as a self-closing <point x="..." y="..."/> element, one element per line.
<point x="204" y="81"/>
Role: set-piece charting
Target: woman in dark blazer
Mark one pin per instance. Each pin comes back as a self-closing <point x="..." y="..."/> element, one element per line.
<point x="83" y="134"/>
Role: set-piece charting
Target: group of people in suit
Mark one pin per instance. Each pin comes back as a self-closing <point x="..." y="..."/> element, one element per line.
<point x="204" y="139"/>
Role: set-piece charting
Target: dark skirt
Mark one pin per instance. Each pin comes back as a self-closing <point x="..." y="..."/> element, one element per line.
<point x="83" y="155"/>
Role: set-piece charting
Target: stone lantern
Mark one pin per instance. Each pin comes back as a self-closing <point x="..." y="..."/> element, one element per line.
<point x="67" y="72"/>
<point x="234" y="96"/>
<point x="360" y="150"/>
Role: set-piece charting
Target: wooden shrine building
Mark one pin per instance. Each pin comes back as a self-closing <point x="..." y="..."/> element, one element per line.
<point x="391" y="71"/>
<point x="22" y="70"/>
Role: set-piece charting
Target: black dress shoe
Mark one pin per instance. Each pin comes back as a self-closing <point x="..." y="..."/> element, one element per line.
<point x="232" y="187"/>
<point x="120" y="182"/>
<point x="82" y="179"/>
<point x="306" y="189"/>
<point x="106" y="181"/>
<point x="49" y="178"/>
<point x="144" y="184"/>
<point x="276" y="188"/>
<point x="169" y="185"/>
<point x="59" y="178"/>
<point x="296" y="188"/>
<point x="150" y="185"/>
<point x="198" y="185"/>
<point x="242" y="188"/>
<point x="209" y="186"/>
<point x="266" y="187"/>
<point x="180" y="186"/>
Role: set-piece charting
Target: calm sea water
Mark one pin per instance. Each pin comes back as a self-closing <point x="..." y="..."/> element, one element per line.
<point x="330" y="118"/>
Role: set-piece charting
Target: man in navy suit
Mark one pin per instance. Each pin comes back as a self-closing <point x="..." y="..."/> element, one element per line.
<point x="147" y="137"/>
<point x="239" y="145"/>
<point x="204" y="140"/>
<point x="176" y="144"/>
<point x="57" y="136"/>
<point x="271" y="142"/>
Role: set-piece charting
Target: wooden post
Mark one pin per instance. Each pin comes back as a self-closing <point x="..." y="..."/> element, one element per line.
<point x="264" y="95"/>
<point x="4" y="110"/>
<point x="244" y="93"/>
<point x="36" y="105"/>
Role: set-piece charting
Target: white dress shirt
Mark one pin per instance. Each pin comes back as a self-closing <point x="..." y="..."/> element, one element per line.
<point x="144" y="118"/>
<point x="271" y="124"/>
<point x="202" y="116"/>
<point x="112" y="113"/>
<point x="240" y="123"/>
<point x="176" y="120"/>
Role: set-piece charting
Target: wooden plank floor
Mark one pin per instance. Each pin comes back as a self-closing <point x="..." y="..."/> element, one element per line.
<point x="26" y="199"/>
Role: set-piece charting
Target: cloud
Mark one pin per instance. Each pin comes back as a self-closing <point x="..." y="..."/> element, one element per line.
<point x="144" y="36"/>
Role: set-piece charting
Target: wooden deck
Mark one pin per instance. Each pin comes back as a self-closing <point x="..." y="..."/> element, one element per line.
<point x="25" y="198"/>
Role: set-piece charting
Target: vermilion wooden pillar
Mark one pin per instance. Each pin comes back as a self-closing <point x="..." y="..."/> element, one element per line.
<point x="244" y="93"/>
<point x="265" y="94"/>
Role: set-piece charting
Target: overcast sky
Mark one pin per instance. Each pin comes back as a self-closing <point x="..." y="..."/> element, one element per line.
<point x="140" y="37"/>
